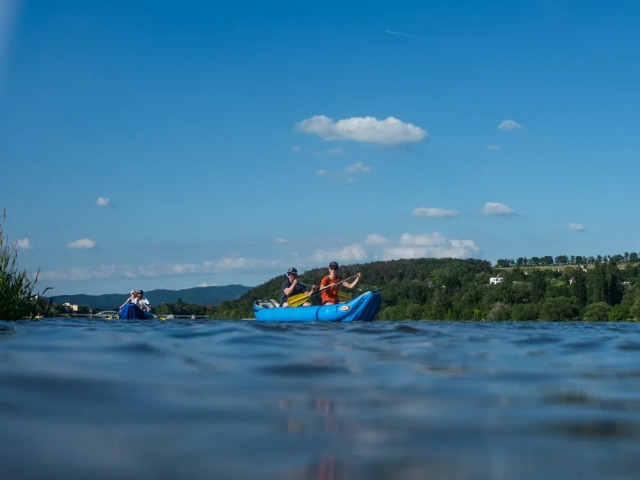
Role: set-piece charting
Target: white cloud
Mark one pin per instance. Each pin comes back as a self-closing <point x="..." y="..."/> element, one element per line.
<point x="281" y="240"/>
<point x="495" y="208"/>
<point x="205" y="284"/>
<point x="24" y="244"/>
<point x="83" y="243"/>
<point x="238" y="263"/>
<point x="349" y="253"/>
<point x="430" y="245"/>
<point x="296" y="149"/>
<point x="509" y="125"/>
<point x="494" y="147"/>
<point x="346" y="175"/>
<point x="426" y="240"/>
<point x="375" y="239"/>
<point x="103" y="202"/>
<point x="400" y="33"/>
<point x="577" y="226"/>
<point x="359" y="167"/>
<point x="224" y="264"/>
<point x="390" y="131"/>
<point x="430" y="212"/>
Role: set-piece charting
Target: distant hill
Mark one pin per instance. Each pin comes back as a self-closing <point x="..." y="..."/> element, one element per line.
<point x="197" y="295"/>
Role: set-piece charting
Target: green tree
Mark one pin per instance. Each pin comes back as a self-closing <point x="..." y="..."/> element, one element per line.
<point x="163" y="309"/>
<point x="527" y="311"/>
<point x="620" y="313"/>
<point x="499" y="311"/>
<point x="538" y="286"/>
<point x="559" y="308"/>
<point x="579" y="287"/>
<point x="597" y="312"/>
<point x="414" y="311"/>
<point x="614" y="288"/>
<point x="597" y="284"/>
<point x="547" y="260"/>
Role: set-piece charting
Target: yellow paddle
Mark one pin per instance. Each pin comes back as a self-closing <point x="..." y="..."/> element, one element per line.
<point x="297" y="300"/>
<point x="344" y="296"/>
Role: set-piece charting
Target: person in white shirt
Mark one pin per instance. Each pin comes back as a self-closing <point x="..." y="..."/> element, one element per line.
<point x="142" y="302"/>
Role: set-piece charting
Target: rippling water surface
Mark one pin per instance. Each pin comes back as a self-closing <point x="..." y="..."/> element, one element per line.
<point x="101" y="399"/>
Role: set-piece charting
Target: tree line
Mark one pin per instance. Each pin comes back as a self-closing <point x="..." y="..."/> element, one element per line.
<point x="548" y="260"/>
<point x="451" y="289"/>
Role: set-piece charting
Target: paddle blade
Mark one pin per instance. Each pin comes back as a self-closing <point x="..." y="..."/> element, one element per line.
<point x="297" y="300"/>
<point x="344" y="296"/>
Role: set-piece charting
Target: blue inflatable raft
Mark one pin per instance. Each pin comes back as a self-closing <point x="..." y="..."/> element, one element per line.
<point x="363" y="308"/>
<point x="131" y="311"/>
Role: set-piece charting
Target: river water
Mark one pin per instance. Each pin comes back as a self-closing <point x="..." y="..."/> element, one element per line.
<point x="101" y="399"/>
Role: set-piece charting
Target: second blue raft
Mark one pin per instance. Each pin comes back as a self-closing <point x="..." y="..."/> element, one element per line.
<point x="132" y="311"/>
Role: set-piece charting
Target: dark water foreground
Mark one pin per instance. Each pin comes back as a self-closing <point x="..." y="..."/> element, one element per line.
<point x="93" y="399"/>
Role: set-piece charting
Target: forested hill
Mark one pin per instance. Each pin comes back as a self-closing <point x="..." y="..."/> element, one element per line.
<point x="450" y="289"/>
<point x="395" y="278"/>
<point x="197" y="295"/>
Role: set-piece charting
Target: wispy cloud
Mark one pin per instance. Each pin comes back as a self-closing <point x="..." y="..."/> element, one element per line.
<point x="495" y="208"/>
<point x="281" y="240"/>
<point x="375" y="239"/>
<point x="103" y="202"/>
<point x="24" y="244"/>
<point x="577" y="226"/>
<point x="401" y="34"/>
<point x="509" y="125"/>
<point x="349" y="253"/>
<point x="431" y="212"/>
<point x="348" y="174"/>
<point x="330" y="151"/>
<point x="83" y="243"/>
<point x="427" y="245"/>
<point x="359" y="167"/>
<point x="100" y="272"/>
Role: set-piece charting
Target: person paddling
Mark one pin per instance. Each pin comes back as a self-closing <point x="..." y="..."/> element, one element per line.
<point x="291" y="286"/>
<point x="141" y="301"/>
<point x="330" y="295"/>
<point x="132" y="296"/>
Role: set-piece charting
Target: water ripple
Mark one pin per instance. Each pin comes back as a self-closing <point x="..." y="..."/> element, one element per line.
<point x="386" y="400"/>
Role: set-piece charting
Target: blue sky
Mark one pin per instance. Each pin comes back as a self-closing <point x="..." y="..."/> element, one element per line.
<point x="228" y="143"/>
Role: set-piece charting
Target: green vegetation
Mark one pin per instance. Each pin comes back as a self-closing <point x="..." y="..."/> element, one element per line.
<point x="17" y="300"/>
<point x="564" y="260"/>
<point x="449" y="289"/>
<point x="180" y="308"/>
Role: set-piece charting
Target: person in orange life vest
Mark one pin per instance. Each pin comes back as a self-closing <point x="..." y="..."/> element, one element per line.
<point x="330" y="295"/>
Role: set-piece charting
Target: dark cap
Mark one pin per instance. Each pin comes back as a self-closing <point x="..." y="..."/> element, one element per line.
<point x="333" y="265"/>
<point x="292" y="270"/>
<point x="140" y="291"/>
